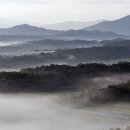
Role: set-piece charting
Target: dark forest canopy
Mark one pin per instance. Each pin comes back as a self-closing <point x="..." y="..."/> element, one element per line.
<point x="55" y="78"/>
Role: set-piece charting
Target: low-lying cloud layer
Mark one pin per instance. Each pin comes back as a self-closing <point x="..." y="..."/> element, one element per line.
<point x="64" y="111"/>
<point x="45" y="112"/>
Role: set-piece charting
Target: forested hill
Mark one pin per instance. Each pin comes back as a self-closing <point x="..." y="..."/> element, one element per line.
<point x="55" y="78"/>
<point x="92" y="68"/>
<point x="68" y="56"/>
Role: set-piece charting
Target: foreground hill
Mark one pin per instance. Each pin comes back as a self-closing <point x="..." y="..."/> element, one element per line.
<point x="121" y="26"/>
<point x="62" y="78"/>
<point x="113" y="93"/>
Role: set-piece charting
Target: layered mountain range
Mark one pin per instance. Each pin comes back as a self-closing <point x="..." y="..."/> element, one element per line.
<point x="121" y="26"/>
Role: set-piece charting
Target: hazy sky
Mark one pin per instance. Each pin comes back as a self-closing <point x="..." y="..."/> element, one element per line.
<point x="52" y="11"/>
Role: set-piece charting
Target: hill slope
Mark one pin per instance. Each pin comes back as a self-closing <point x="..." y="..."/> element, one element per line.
<point x="121" y="26"/>
<point x="26" y="29"/>
<point x="71" y="25"/>
<point x="83" y="34"/>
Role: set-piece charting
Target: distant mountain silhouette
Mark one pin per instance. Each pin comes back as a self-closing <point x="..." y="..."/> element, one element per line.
<point x="71" y="25"/>
<point x="26" y="29"/>
<point x="96" y="35"/>
<point x="121" y="26"/>
<point x="29" y="30"/>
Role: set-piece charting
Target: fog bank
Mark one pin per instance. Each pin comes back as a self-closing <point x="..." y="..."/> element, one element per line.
<point x="49" y="112"/>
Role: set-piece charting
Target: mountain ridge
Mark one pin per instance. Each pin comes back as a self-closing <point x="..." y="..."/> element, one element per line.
<point x="120" y="26"/>
<point x="95" y="34"/>
<point x="68" y="25"/>
<point x="27" y="30"/>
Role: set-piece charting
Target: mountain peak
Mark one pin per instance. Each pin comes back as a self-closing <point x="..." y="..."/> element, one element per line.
<point x="26" y="29"/>
<point x="24" y="26"/>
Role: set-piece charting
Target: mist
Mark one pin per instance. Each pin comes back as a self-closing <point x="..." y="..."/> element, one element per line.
<point x="63" y="111"/>
<point x="112" y="79"/>
<point x="45" y="112"/>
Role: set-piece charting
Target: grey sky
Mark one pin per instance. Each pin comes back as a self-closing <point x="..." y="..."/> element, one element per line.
<point x="53" y="11"/>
